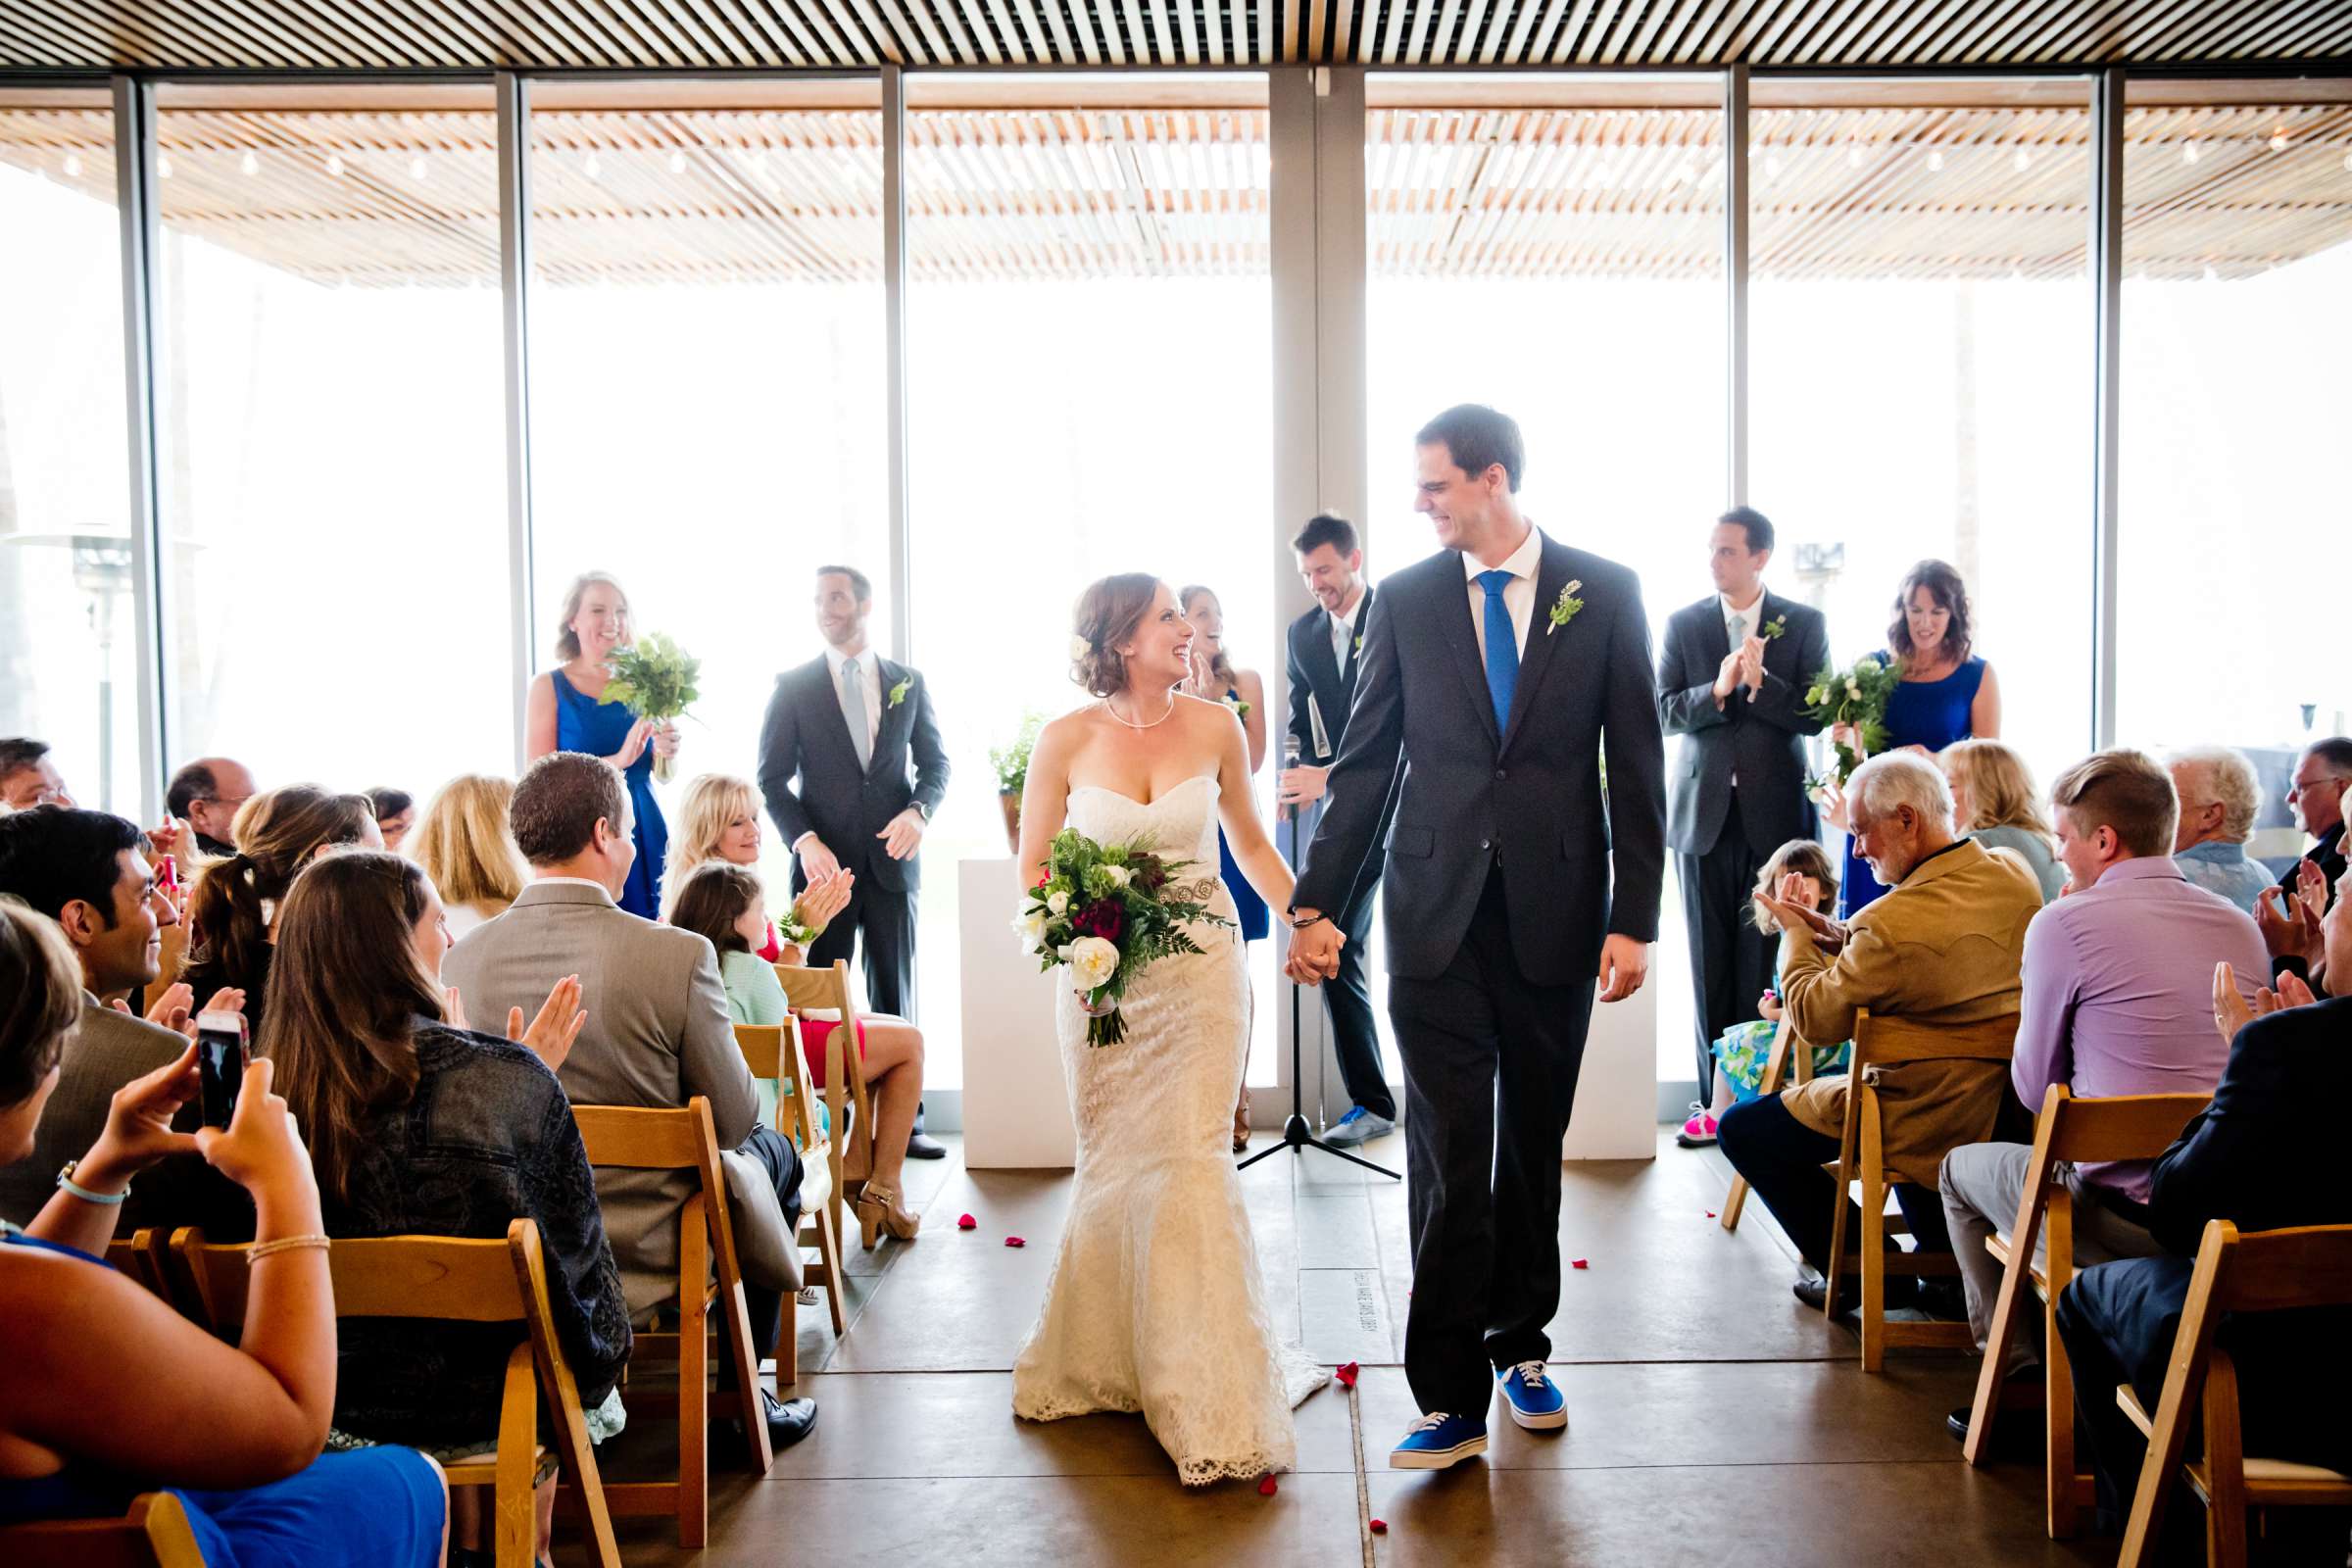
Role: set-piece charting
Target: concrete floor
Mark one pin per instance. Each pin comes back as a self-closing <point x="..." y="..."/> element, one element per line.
<point x="1713" y="1419"/>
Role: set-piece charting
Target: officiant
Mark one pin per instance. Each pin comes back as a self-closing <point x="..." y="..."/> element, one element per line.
<point x="1323" y="646"/>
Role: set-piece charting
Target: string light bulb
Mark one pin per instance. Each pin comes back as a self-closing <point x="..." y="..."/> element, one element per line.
<point x="1853" y="156"/>
<point x="677" y="163"/>
<point x="2347" y="163"/>
<point x="2188" y="152"/>
<point x="249" y="164"/>
<point x="73" y="167"/>
<point x="1772" y="169"/>
<point x="2278" y="140"/>
<point x="2022" y="161"/>
<point x="591" y="167"/>
<point x="1935" y="162"/>
<point x="163" y="166"/>
<point x="418" y="170"/>
<point x="335" y="165"/>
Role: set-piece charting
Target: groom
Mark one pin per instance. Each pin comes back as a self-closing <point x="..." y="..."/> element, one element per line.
<point x="1495" y="672"/>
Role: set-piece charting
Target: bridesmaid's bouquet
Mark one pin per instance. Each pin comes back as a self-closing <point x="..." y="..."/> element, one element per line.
<point x="1857" y="696"/>
<point x="657" y="679"/>
<point x="1108" y="911"/>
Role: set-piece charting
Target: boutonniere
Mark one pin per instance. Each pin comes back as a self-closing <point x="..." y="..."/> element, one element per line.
<point x="898" y="693"/>
<point x="1775" y="627"/>
<point x="1564" y="609"/>
<point x="1241" y="708"/>
<point x="1360" y="645"/>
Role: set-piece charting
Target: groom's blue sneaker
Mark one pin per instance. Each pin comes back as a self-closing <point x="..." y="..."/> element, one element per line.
<point x="1437" y="1440"/>
<point x="1358" y="1126"/>
<point x="1534" y="1400"/>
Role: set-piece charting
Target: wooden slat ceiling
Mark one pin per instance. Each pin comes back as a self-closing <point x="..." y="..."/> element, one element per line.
<point x="386" y="197"/>
<point x="446" y="34"/>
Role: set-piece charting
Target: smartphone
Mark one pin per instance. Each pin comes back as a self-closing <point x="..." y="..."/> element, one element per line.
<point x="220" y="1057"/>
<point x="166" y="875"/>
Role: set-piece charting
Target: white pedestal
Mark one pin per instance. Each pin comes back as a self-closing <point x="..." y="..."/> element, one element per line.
<point x="1016" y="1105"/>
<point x="1617" y="1092"/>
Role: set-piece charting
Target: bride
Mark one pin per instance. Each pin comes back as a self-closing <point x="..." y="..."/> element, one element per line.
<point x="1155" y="1304"/>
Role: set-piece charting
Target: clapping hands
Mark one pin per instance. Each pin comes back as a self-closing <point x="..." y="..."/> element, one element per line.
<point x="823" y="898"/>
<point x="1789" y="907"/>
<point x="550" y="1036"/>
<point x="2232" y="1012"/>
<point x="2290" y="922"/>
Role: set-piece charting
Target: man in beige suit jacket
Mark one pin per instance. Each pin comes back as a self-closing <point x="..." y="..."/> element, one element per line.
<point x="658" y="1030"/>
<point x="1944" y="944"/>
<point x="85" y="871"/>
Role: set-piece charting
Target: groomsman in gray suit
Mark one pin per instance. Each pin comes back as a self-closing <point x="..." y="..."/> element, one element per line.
<point x="1731" y="683"/>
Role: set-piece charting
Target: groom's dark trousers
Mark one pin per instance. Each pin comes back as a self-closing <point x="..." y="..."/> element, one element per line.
<point x="1506" y="870"/>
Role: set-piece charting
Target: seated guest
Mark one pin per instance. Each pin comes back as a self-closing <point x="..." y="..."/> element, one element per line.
<point x="465" y="847"/>
<point x="237" y="897"/>
<point x="395" y="813"/>
<point x="1742" y="1051"/>
<point x="2219" y="798"/>
<point x="109" y="1392"/>
<point x="419" y="1126"/>
<point x="658" y="1031"/>
<point x="2118" y="998"/>
<point x="206" y="795"/>
<point x="724" y="903"/>
<point x="28" y="777"/>
<point x="1994" y="803"/>
<point x="83" y="870"/>
<point x="1942" y="946"/>
<point x="2250" y="1158"/>
<point x="719" y="820"/>
<point x="2316" y="797"/>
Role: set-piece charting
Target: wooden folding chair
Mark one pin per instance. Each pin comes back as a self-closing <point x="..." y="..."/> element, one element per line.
<point x="2264" y="1271"/>
<point x="154" y="1533"/>
<point x="140" y="1258"/>
<point x="774" y="1051"/>
<point x="463" y="1280"/>
<point x="1890" y="1042"/>
<point x="1789" y="1054"/>
<point x="851" y="1144"/>
<point x="683" y="1139"/>
<point x="2069" y="1132"/>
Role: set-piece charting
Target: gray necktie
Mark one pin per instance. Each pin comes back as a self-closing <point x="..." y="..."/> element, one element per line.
<point x="853" y="709"/>
<point x="1738" y="631"/>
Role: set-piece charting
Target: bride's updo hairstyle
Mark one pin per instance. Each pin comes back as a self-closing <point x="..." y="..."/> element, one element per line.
<point x="1107" y="614"/>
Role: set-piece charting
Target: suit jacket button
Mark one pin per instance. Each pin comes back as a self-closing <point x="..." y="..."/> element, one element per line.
<point x="1503" y="772"/>
<point x="1485" y="843"/>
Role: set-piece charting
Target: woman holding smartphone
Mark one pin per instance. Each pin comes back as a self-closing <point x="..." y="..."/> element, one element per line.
<point x="110" y="1393"/>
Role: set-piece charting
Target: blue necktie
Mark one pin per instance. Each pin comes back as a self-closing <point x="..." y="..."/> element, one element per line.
<point x="1502" y="649"/>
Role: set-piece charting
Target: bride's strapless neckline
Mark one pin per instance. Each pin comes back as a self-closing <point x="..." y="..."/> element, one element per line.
<point x="1197" y="778"/>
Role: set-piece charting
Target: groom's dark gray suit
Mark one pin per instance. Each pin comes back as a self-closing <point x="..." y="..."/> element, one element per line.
<point x="1507" y="864"/>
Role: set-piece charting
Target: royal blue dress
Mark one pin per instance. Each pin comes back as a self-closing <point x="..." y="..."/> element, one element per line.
<point x="584" y="725"/>
<point x="1249" y="910"/>
<point x="376" y="1508"/>
<point x="1933" y="713"/>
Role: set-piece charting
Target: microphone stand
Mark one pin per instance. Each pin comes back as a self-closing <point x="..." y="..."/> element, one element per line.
<point x="1296" y="1133"/>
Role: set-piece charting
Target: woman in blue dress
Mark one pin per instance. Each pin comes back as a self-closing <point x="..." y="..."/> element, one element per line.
<point x="564" y="715"/>
<point x="1947" y="693"/>
<point x="111" y="1394"/>
<point x="1245" y="692"/>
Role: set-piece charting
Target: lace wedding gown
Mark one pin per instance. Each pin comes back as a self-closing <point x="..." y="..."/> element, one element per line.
<point x="1154" y="1302"/>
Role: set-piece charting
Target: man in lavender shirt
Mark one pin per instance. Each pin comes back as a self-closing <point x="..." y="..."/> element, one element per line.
<point x="2118" y="1000"/>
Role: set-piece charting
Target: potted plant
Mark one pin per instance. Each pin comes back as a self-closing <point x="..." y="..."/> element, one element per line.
<point x="1011" y="762"/>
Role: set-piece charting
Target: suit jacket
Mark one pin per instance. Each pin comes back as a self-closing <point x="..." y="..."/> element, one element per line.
<point x="657" y="1034"/>
<point x="1760" y="741"/>
<point x="1316" y="674"/>
<point x="805" y="742"/>
<point x="1527" y="795"/>
<point x="1947" y="944"/>
<point x="106" y="1050"/>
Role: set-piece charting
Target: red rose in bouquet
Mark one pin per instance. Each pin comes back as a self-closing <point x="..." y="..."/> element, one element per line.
<point x="1105" y="917"/>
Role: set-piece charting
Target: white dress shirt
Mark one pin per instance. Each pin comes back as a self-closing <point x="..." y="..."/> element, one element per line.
<point x="1518" y="595"/>
<point x="1343" y="630"/>
<point x="870" y="675"/>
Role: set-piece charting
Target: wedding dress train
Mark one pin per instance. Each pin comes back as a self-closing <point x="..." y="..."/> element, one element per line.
<point x="1155" y="1304"/>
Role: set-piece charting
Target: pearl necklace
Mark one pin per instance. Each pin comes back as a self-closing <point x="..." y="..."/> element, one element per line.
<point x="1131" y="724"/>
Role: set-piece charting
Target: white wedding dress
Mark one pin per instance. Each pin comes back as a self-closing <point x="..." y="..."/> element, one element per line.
<point x="1154" y="1302"/>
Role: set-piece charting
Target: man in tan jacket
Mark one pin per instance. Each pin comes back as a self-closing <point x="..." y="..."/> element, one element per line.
<point x="1944" y="944"/>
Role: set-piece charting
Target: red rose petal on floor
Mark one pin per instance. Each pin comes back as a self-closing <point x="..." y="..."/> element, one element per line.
<point x="1015" y="1241"/>
<point x="1710" y="1213"/>
<point x="1265" y="1487"/>
<point x="1380" y="1527"/>
<point x="1346" y="1375"/>
<point x="965" y="1223"/>
<point x="1577" y="1262"/>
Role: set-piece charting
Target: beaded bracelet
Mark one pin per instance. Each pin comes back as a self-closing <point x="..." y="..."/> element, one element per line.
<point x="284" y="1243"/>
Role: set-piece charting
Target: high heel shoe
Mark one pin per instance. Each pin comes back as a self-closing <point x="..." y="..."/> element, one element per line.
<point x="879" y="1214"/>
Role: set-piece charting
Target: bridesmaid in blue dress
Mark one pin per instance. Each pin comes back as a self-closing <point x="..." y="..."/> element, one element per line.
<point x="1243" y="691"/>
<point x="1947" y="693"/>
<point x="564" y="715"/>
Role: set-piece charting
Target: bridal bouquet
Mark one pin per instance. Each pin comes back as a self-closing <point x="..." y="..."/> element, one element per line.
<point x="653" y="678"/>
<point x="1108" y="911"/>
<point x="1858" y="696"/>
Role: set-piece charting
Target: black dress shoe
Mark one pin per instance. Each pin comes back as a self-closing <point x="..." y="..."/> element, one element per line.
<point x="922" y="1145"/>
<point x="2012" y="1426"/>
<point x="1814" y="1290"/>
<point x="788" y="1420"/>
